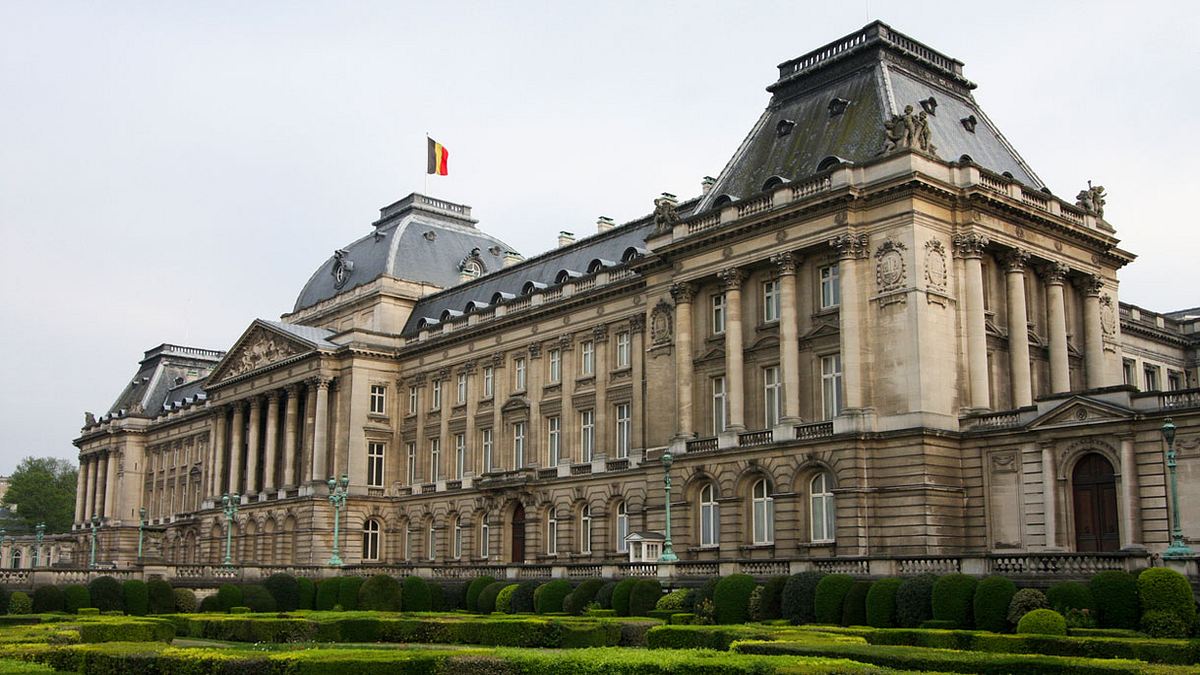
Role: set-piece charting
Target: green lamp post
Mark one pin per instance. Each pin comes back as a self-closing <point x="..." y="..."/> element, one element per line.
<point x="668" y="554"/>
<point x="229" y="503"/>
<point x="1177" y="549"/>
<point x="141" y="530"/>
<point x="94" y="523"/>
<point x="337" y="497"/>
<point x="37" y="552"/>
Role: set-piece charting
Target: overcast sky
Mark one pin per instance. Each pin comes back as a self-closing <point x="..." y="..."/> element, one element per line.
<point x="169" y="171"/>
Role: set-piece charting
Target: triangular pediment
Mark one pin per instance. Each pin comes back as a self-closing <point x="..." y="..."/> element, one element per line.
<point x="1080" y="410"/>
<point x="515" y="403"/>
<point x="262" y="345"/>
<point x="822" y="329"/>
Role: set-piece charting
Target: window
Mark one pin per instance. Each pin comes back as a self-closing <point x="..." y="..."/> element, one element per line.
<point x="587" y="358"/>
<point x="1151" y="375"/>
<point x="370" y="540"/>
<point x="1174" y="380"/>
<point x="1129" y="370"/>
<point x="460" y="455"/>
<point x="718" y="404"/>
<point x="554" y="439"/>
<point x="623" y="349"/>
<point x="519" y="374"/>
<point x="772" y="396"/>
<point x="551" y="533"/>
<point x="585" y="529"/>
<point x="431" y="543"/>
<point x="622" y="527"/>
<point x="461" y="389"/>
<point x="587" y="434"/>
<point x="831" y="286"/>
<point x="770" y="301"/>
<point x="763" y="513"/>
<point x="411" y="453"/>
<point x="718" y="313"/>
<point x="831" y="385"/>
<point x="435" y="458"/>
<point x="457" y="546"/>
<point x="485" y="442"/>
<point x="437" y="395"/>
<point x="623" y="430"/>
<point x="378" y="399"/>
<point x="555" y="359"/>
<point x="518" y="445"/>
<point x="485" y="534"/>
<point x="821" y="490"/>
<point x="407" y="542"/>
<point x="489" y="382"/>
<point x="375" y="465"/>
<point x="414" y="394"/>
<point x="710" y="526"/>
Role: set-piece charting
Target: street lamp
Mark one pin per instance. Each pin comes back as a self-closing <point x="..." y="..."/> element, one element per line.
<point x="668" y="554"/>
<point x="141" y="529"/>
<point x="1177" y="549"/>
<point x="229" y="502"/>
<point x="37" y="552"/>
<point x="337" y="497"/>
<point x="94" y="523"/>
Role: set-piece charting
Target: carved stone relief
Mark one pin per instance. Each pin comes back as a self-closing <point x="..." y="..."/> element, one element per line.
<point x="935" y="265"/>
<point x="660" y="324"/>
<point x="889" y="265"/>
<point x="261" y="350"/>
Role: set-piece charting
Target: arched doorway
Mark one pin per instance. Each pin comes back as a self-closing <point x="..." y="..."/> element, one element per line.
<point x="1095" y="499"/>
<point x="518" y="533"/>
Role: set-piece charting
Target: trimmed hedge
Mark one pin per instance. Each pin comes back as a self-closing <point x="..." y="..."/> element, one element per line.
<point x="106" y="594"/>
<point x="504" y="599"/>
<point x="1165" y="590"/>
<point x="731" y="600"/>
<point x="620" y="596"/>
<point x="522" y="599"/>
<point x="1043" y="622"/>
<point x="258" y="598"/>
<point x="1159" y="623"/>
<point x="854" y="606"/>
<point x="474" y="589"/>
<point x="126" y="630"/>
<point x="830" y="597"/>
<point x="914" y="600"/>
<point x="644" y="597"/>
<point x="578" y="599"/>
<point x="487" y="598"/>
<point x="881" y="603"/>
<point x="185" y="601"/>
<point x="993" y="595"/>
<point x="348" y="592"/>
<point x="48" y="599"/>
<point x="1141" y="649"/>
<point x="162" y="596"/>
<point x="136" y="597"/>
<point x="953" y="596"/>
<point x="1025" y="601"/>
<point x="230" y="596"/>
<point x="605" y="594"/>
<point x="548" y="598"/>
<point x="719" y="638"/>
<point x="76" y="597"/>
<point x="306" y="593"/>
<point x="1068" y="595"/>
<point x="286" y="591"/>
<point x="380" y="593"/>
<point x="1116" y="596"/>
<point x="327" y="594"/>
<point x="415" y="595"/>
<point x="799" y="597"/>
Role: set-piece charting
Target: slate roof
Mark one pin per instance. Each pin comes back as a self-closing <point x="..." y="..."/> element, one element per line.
<point x="317" y="336"/>
<point x="876" y="72"/>
<point x="163" y="370"/>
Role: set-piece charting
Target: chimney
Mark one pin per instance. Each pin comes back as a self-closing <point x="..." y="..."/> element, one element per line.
<point x="706" y="184"/>
<point x="565" y="238"/>
<point x="604" y="224"/>
<point x="512" y="258"/>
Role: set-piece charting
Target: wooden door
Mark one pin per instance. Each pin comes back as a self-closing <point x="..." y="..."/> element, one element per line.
<point x="1095" y="499"/>
<point x="518" y="534"/>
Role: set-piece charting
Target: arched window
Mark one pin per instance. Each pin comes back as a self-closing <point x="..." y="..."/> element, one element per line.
<point x="821" y="489"/>
<point x="762" y="513"/>
<point x="710" y="526"/>
<point x="457" y="538"/>
<point x="16" y="558"/>
<point x="585" y="529"/>
<point x="485" y="535"/>
<point x="551" y="533"/>
<point x="622" y="526"/>
<point x="370" y="540"/>
<point x="432" y="543"/>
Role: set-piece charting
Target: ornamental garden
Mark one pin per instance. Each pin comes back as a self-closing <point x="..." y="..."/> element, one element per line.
<point x="805" y="623"/>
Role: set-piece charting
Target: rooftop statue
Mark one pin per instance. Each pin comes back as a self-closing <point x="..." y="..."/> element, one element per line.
<point x="1092" y="199"/>
<point x="907" y="131"/>
<point x="665" y="217"/>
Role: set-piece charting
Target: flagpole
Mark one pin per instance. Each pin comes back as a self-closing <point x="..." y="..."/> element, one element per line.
<point x="426" y="169"/>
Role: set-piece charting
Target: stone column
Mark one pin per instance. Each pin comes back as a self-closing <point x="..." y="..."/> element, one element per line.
<point x="970" y="248"/>
<point x="789" y="339"/>
<point x="320" y="431"/>
<point x="534" y="379"/>
<point x="1050" y="495"/>
<point x="216" y="471"/>
<point x="637" y="361"/>
<point x="469" y="433"/>
<point x="236" y="439"/>
<point x="1018" y="328"/>
<point x="271" y="442"/>
<point x="601" y="416"/>
<point x="81" y="484"/>
<point x="500" y="436"/>
<point x="731" y="279"/>
<point x="1056" y="315"/>
<point x="110" y="486"/>
<point x="253" y="445"/>
<point x="290" y="448"/>
<point x="447" y="446"/>
<point x="567" y="418"/>
<point x="1130" y="504"/>
<point x="851" y="248"/>
<point x="304" y="461"/>
<point x="89" y="466"/>
<point x="682" y="293"/>
<point x="1093" y="331"/>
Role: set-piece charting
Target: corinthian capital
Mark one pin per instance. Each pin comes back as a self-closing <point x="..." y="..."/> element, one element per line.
<point x="1055" y="272"/>
<point x="850" y="246"/>
<point x="731" y="277"/>
<point x="1089" y="284"/>
<point x="1014" y="260"/>
<point x="682" y="292"/>
<point x="970" y="245"/>
<point x="785" y="263"/>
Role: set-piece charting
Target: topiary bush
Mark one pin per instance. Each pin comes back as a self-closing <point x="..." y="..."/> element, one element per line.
<point x="76" y="597"/>
<point x="258" y="598"/>
<point x="230" y="596"/>
<point x="914" y="600"/>
<point x="1158" y="623"/>
<point x="106" y="594"/>
<point x="620" y="596"/>
<point x="1115" y="594"/>
<point x="644" y="596"/>
<point x="453" y="594"/>
<point x="854" y="606"/>
<point x="1165" y="590"/>
<point x="136" y="597"/>
<point x="604" y="595"/>
<point x="185" y="601"/>
<point x="327" y="594"/>
<point x="380" y="593"/>
<point x="504" y="599"/>
<point x="1042" y="622"/>
<point x="522" y="599"/>
<point x="210" y="604"/>
<point x="799" y="597"/>
<point x="20" y="603"/>
<point x="48" y="599"/>
<point x="415" y="595"/>
<point x="474" y="589"/>
<point x="548" y="598"/>
<point x="286" y="591"/>
<point x="578" y="599"/>
<point x="306" y="593"/>
<point x="953" y="595"/>
<point x="731" y="601"/>
<point x="881" y="603"/>
<point x="674" y="600"/>
<point x="1025" y="601"/>
<point x="162" y="596"/>
<point x="437" y="597"/>
<point x="993" y="596"/>
<point x="1068" y="595"/>
<point x="772" y="598"/>
<point x="831" y="595"/>
<point x="487" y="597"/>
<point x="348" y="592"/>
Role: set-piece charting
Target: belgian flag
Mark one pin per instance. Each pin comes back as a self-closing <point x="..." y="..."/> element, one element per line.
<point x="439" y="157"/>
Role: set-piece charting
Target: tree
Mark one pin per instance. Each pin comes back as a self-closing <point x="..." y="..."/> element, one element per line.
<point x="42" y="490"/>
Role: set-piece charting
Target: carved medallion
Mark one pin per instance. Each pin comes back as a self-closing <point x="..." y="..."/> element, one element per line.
<point x="660" y="324"/>
<point x="1108" y="315"/>
<point x="889" y="265"/>
<point x="935" y="265"/>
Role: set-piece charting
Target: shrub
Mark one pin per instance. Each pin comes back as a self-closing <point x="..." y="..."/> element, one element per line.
<point x="1068" y="595"/>
<point x="487" y="598"/>
<point x="348" y="592"/>
<point x="1025" y="601"/>
<point x="230" y="596"/>
<point x="76" y="597"/>
<point x="620" y="596"/>
<point x="452" y="596"/>
<point x="380" y="593"/>
<point x="881" y="603"/>
<point x="731" y="601"/>
<point x="89" y="611"/>
<point x="708" y="590"/>
<point x="286" y="591"/>
<point x="306" y="593"/>
<point x="136" y="597"/>
<point x="504" y="599"/>
<point x="854" y="606"/>
<point x="106" y="594"/>
<point x="605" y="594"/>
<point x="185" y="600"/>
<point x="1162" y="589"/>
<point x="914" y="600"/>
<point x="474" y="589"/>
<point x="239" y="610"/>
<point x="1158" y="623"/>
<point x="953" y="595"/>
<point x="4" y="598"/>
<point x="799" y="597"/>
<point x="209" y="604"/>
<point x="327" y="594"/>
<point x="415" y="595"/>
<point x="585" y="593"/>
<point x="831" y="595"/>
<point x="644" y="596"/>
<point x="162" y="596"/>
<point x="48" y="599"/>
<point x="522" y="599"/>
<point x="437" y="597"/>
<point x="754" y="608"/>
<point x="1116" y="596"/>
<point x="993" y="595"/>
<point x="705" y="613"/>
<point x="548" y="598"/>
<point x="258" y="598"/>
<point x="20" y="603"/>
<point x="772" y="598"/>
<point x="673" y="600"/>
<point x="1043" y="622"/>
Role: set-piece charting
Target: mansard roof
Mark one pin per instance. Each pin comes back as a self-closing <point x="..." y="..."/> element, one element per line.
<point x="161" y="371"/>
